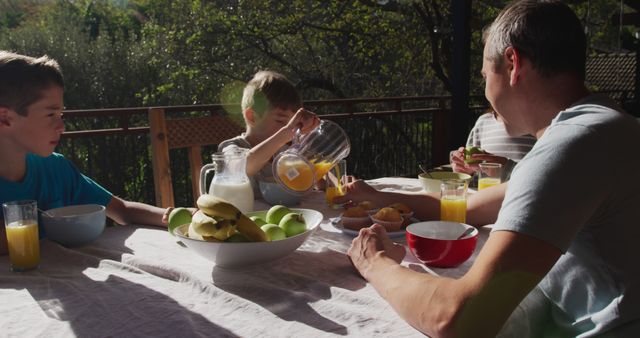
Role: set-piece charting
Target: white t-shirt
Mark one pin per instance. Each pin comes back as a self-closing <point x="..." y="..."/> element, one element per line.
<point x="490" y="134"/>
<point x="578" y="189"/>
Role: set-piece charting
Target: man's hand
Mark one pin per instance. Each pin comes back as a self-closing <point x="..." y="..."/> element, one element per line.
<point x="371" y="244"/>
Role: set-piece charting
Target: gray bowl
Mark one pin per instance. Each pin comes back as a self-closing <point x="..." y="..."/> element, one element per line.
<point x="274" y="194"/>
<point x="74" y="225"/>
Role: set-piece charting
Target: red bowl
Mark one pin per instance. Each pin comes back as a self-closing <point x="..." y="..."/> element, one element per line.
<point x="435" y="243"/>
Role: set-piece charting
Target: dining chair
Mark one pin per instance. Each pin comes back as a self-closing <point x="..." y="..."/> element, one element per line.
<point x="191" y="133"/>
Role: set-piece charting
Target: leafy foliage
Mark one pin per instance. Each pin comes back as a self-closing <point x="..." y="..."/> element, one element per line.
<point x="123" y="53"/>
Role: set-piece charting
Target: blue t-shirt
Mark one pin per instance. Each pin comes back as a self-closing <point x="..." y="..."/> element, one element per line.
<point x="577" y="190"/>
<point x="53" y="182"/>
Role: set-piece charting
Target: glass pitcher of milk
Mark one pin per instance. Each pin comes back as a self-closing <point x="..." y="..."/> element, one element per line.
<point x="230" y="181"/>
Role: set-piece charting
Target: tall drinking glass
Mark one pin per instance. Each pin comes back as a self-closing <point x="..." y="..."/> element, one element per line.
<point x="453" y="201"/>
<point x="489" y="174"/>
<point x="21" y="222"/>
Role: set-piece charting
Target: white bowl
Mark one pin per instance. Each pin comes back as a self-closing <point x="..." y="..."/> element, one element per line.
<point x="74" y="225"/>
<point x="237" y="254"/>
<point x="274" y="194"/>
<point x="431" y="182"/>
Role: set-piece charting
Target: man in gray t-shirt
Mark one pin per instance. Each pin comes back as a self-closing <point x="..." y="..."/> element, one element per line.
<point x="561" y="259"/>
<point x="573" y="190"/>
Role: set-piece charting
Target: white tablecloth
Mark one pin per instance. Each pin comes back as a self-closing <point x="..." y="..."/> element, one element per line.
<point x="139" y="281"/>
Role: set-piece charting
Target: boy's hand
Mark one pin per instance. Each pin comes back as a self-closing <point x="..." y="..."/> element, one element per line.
<point x="458" y="164"/>
<point x="356" y="191"/>
<point x="304" y="120"/>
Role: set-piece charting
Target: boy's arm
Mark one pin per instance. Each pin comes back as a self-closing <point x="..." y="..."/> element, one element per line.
<point x="482" y="207"/>
<point x="4" y="249"/>
<point x="127" y="212"/>
<point x="263" y="152"/>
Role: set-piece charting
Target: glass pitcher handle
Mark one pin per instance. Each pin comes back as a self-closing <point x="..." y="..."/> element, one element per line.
<point x="203" y="176"/>
<point x="297" y="136"/>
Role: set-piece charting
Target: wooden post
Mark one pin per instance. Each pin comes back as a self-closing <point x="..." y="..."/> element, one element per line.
<point x="440" y="133"/>
<point x="160" y="158"/>
<point x="195" y="163"/>
<point x="460" y="69"/>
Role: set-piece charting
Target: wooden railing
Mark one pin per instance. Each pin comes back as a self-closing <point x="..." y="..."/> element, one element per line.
<point x="389" y="137"/>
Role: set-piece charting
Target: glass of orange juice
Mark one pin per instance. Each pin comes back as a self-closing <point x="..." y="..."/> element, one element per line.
<point x="489" y="174"/>
<point x="453" y="201"/>
<point x="334" y="182"/>
<point x="21" y="225"/>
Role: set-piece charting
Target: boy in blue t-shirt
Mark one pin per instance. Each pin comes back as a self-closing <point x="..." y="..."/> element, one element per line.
<point x="31" y="104"/>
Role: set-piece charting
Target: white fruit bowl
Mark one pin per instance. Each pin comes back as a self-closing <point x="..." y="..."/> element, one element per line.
<point x="237" y="254"/>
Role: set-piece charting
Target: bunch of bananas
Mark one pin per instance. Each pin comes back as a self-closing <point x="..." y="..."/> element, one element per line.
<point x="219" y="220"/>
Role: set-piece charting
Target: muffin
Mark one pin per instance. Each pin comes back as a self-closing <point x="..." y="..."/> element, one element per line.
<point x="369" y="207"/>
<point x="389" y="218"/>
<point x="355" y="218"/>
<point x="405" y="212"/>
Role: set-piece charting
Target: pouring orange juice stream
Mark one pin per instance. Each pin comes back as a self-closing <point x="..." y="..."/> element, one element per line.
<point x="332" y="191"/>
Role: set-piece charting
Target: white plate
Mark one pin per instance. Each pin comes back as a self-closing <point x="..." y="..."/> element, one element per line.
<point x="336" y="224"/>
<point x="231" y="255"/>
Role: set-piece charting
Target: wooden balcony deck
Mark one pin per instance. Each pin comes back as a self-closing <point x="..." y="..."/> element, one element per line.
<point x="389" y="136"/>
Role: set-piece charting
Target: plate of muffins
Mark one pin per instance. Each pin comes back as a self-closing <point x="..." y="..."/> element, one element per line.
<point x="394" y="218"/>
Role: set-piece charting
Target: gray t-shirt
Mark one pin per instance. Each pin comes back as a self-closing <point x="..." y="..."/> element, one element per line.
<point x="578" y="190"/>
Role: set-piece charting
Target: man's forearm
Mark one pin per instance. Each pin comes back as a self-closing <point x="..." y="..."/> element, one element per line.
<point x="426" y="302"/>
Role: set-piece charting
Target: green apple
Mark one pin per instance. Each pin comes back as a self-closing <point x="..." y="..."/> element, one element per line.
<point x="293" y="224"/>
<point x="273" y="232"/>
<point x="469" y="151"/>
<point x="276" y="213"/>
<point x="257" y="220"/>
<point x="178" y="217"/>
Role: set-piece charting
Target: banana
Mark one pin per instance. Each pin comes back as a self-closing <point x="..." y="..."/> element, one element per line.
<point x="250" y="229"/>
<point x="217" y="207"/>
<point x="203" y="224"/>
<point x="209" y="229"/>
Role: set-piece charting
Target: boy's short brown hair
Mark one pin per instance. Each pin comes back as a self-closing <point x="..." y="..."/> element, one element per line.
<point x="23" y="78"/>
<point x="268" y="90"/>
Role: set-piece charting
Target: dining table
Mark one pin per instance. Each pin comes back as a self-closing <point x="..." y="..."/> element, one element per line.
<point x="140" y="281"/>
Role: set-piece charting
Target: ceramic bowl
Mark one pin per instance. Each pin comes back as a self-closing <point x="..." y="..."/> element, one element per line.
<point x="431" y="182"/>
<point x="435" y="243"/>
<point x="239" y="254"/>
<point x="74" y="225"/>
<point x="274" y="194"/>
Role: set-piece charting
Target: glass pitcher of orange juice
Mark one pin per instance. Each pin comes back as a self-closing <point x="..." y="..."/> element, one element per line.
<point x="230" y="181"/>
<point x="310" y="157"/>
